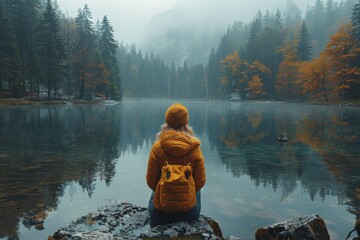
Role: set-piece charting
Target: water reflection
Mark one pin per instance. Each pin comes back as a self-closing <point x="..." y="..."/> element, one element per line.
<point x="331" y="133"/>
<point x="42" y="149"/>
<point x="321" y="157"/>
<point x="45" y="149"/>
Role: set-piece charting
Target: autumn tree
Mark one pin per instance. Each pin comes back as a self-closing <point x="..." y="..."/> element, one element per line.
<point x="317" y="74"/>
<point x="255" y="73"/>
<point x="288" y="84"/>
<point x="255" y="87"/>
<point x="232" y="80"/>
<point x="343" y="53"/>
<point x="96" y="80"/>
<point x="231" y="41"/>
<point x="242" y="77"/>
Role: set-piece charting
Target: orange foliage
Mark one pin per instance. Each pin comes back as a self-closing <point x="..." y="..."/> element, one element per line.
<point x="289" y="79"/>
<point x="237" y="73"/>
<point x="96" y="80"/>
<point x="258" y="68"/>
<point x="255" y="86"/>
<point x="311" y="133"/>
<point x="255" y="119"/>
<point x="317" y="77"/>
<point x="342" y="51"/>
<point x="230" y="67"/>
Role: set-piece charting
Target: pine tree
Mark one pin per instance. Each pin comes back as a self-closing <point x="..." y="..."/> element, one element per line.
<point x="304" y="44"/>
<point x="253" y="51"/>
<point x="330" y="13"/>
<point x="108" y="48"/>
<point x="318" y="25"/>
<point x="85" y="49"/>
<point x="23" y="15"/>
<point x="212" y="71"/>
<point x="278" y="23"/>
<point x="51" y="48"/>
<point x="355" y="34"/>
<point x="355" y="19"/>
<point x="10" y="69"/>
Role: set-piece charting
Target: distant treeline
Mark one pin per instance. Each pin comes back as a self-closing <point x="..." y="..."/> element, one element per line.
<point x="273" y="57"/>
<point x="43" y="53"/>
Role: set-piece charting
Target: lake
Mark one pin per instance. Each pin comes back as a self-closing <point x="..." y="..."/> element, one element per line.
<point x="60" y="162"/>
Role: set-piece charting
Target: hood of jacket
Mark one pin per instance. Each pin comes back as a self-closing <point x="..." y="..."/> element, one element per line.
<point x="177" y="143"/>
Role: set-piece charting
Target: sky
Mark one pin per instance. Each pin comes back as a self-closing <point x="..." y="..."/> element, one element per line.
<point x="129" y="18"/>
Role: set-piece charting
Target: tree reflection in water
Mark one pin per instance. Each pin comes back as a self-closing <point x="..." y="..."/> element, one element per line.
<point x="332" y="133"/>
<point x="44" y="149"/>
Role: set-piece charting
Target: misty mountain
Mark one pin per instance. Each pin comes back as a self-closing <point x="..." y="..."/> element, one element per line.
<point x="189" y="30"/>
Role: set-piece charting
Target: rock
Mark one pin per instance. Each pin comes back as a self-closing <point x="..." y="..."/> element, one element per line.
<point x="232" y="238"/>
<point x="357" y="226"/>
<point x="302" y="228"/>
<point x="120" y="220"/>
<point x="357" y="229"/>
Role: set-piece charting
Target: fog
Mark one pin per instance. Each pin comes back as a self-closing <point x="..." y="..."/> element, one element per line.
<point x="130" y="19"/>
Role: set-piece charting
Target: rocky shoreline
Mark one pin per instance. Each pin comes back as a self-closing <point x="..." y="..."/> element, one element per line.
<point x="118" y="220"/>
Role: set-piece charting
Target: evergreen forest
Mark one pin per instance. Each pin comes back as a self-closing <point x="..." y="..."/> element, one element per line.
<point x="279" y="55"/>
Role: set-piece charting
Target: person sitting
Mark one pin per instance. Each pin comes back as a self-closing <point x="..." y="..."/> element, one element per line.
<point x="175" y="145"/>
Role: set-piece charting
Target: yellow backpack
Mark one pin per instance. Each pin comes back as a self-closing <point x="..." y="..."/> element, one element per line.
<point x="175" y="191"/>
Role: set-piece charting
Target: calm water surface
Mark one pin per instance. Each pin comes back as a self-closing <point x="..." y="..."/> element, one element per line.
<point x="59" y="162"/>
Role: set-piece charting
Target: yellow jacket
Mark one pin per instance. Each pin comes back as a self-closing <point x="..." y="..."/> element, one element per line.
<point x="175" y="147"/>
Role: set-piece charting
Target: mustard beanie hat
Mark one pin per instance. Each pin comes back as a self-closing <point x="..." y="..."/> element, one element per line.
<point x="177" y="115"/>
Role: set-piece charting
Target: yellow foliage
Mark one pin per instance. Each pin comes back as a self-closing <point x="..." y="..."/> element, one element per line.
<point x="238" y="73"/>
<point x="255" y="86"/>
<point x="290" y="79"/>
<point x="255" y="119"/>
<point x="318" y="82"/>
<point x="342" y="50"/>
<point x="224" y="81"/>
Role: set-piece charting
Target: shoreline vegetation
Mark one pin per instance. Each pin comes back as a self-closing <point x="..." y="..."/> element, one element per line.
<point x="33" y="101"/>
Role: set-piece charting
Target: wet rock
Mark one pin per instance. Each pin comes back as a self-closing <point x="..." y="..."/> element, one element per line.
<point x="302" y="228"/>
<point x="357" y="229"/>
<point x="120" y="220"/>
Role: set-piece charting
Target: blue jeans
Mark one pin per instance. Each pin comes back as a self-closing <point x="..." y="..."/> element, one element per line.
<point x="158" y="217"/>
